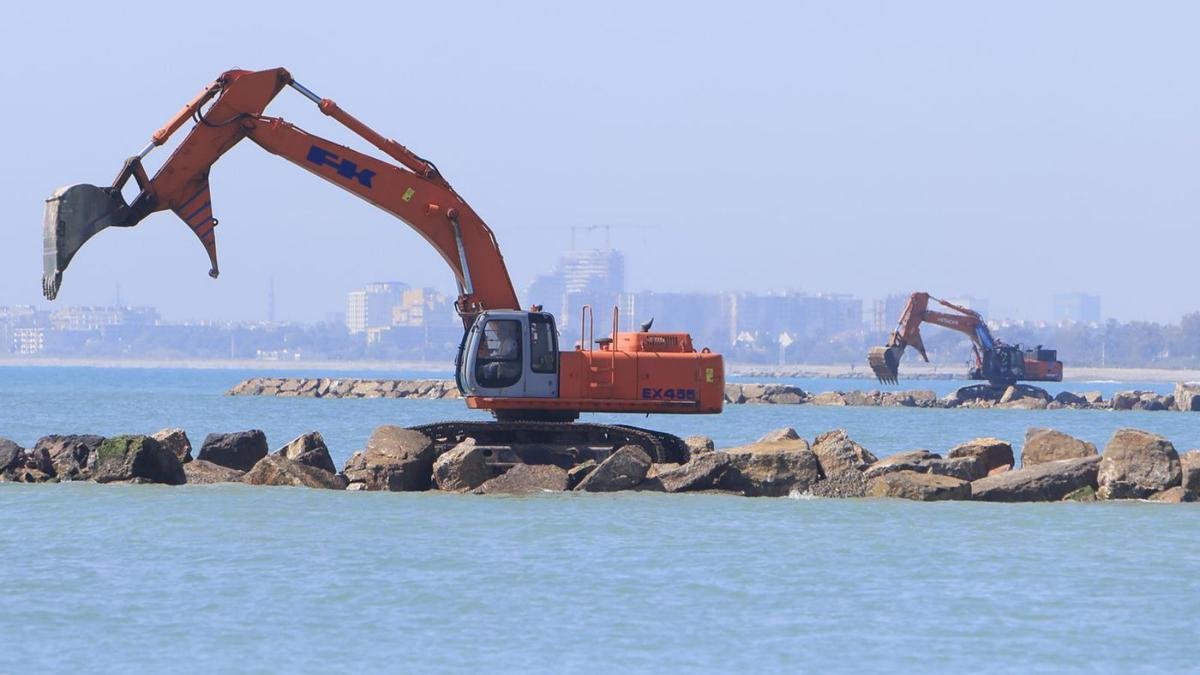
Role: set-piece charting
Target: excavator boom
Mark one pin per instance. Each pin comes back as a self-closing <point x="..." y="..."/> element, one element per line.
<point x="414" y="192"/>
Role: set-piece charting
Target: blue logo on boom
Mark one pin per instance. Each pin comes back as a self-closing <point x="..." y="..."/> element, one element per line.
<point x="345" y="168"/>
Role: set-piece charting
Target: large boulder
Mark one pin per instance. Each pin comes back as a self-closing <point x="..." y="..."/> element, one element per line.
<point x="577" y="473"/>
<point x="461" y="468"/>
<point x="770" y="469"/>
<point x="524" y="479"/>
<point x="966" y="467"/>
<point x="1189" y="465"/>
<point x="239" y="450"/>
<point x="828" y="398"/>
<point x="910" y="460"/>
<point x="698" y="445"/>
<point x="1051" y="445"/>
<point x="123" y="458"/>
<point x="924" y="487"/>
<point x="1136" y="464"/>
<point x="702" y="473"/>
<point x="1175" y="495"/>
<point x="11" y="454"/>
<point x="1046" y="482"/>
<point x="310" y="450"/>
<point x="279" y="470"/>
<point x="201" y="472"/>
<point x="72" y="457"/>
<point x="779" y="435"/>
<point x="1187" y="397"/>
<point x="997" y="454"/>
<point x="395" y="459"/>
<point x="625" y="469"/>
<point x="836" y="453"/>
<point x="177" y="441"/>
<point x="1126" y="400"/>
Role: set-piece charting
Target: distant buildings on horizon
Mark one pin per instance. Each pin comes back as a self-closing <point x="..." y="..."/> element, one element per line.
<point x="391" y="317"/>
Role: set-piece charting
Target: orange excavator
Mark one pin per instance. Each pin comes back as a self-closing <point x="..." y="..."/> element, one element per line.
<point x="1000" y="364"/>
<point x="508" y="362"/>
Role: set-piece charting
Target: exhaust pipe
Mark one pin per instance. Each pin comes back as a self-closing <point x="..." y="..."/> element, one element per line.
<point x="75" y="214"/>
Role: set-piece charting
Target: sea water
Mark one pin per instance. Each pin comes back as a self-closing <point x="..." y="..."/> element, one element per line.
<point x="240" y="578"/>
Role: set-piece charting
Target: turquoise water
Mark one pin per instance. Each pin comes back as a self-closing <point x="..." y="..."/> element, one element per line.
<point x="236" y="578"/>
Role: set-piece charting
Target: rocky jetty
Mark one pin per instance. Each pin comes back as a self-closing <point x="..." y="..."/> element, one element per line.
<point x="1186" y="396"/>
<point x="1054" y="467"/>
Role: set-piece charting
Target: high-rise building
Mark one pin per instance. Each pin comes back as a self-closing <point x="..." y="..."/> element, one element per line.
<point x="593" y="277"/>
<point x="372" y="307"/>
<point x="1077" y="308"/>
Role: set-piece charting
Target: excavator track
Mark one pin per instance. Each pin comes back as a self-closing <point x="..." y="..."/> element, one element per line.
<point x="561" y="443"/>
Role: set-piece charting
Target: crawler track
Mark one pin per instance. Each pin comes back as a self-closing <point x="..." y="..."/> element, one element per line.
<point x="561" y="443"/>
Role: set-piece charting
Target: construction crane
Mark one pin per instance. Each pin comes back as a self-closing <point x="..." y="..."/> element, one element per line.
<point x="1001" y="364"/>
<point x="508" y="361"/>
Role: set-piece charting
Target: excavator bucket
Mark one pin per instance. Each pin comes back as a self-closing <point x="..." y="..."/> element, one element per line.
<point x="885" y="361"/>
<point x="75" y="214"/>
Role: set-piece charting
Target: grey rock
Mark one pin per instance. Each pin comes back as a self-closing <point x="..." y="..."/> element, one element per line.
<point x="577" y="473"/>
<point x="911" y="460"/>
<point x="924" y="487"/>
<point x="309" y="449"/>
<point x="776" y="435"/>
<point x="698" y="445"/>
<point x="177" y="441"/>
<point x="1189" y="464"/>
<point x="1136" y="464"/>
<point x="1050" y="445"/>
<point x="239" y="450"/>
<point x="1047" y="482"/>
<point x="527" y="479"/>
<point x="1187" y="396"/>
<point x="11" y="454"/>
<point x="702" y="473"/>
<point x="201" y="472"/>
<point x="462" y="468"/>
<point x="770" y="469"/>
<point x="122" y="458"/>
<point x="845" y="485"/>
<point x="997" y="454"/>
<point x="395" y="459"/>
<point x="1174" y="495"/>
<point x="1068" y="399"/>
<point x="1125" y="400"/>
<point x="625" y="469"/>
<point x="281" y="471"/>
<point x="71" y="457"/>
<point x="836" y="453"/>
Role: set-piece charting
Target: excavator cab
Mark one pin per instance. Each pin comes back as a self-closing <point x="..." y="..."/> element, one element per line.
<point x="509" y="354"/>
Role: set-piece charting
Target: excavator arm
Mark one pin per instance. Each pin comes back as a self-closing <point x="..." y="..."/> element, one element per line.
<point x="885" y="361"/>
<point x="414" y="192"/>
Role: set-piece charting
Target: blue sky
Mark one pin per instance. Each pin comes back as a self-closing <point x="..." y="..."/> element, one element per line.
<point x="1002" y="150"/>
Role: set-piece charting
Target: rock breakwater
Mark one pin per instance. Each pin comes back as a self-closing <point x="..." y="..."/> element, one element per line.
<point x="1134" y="464"/>
<point x="1185" y="398"/>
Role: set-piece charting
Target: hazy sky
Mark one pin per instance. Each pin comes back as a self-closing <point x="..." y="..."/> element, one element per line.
<point x="1008" y="150"/>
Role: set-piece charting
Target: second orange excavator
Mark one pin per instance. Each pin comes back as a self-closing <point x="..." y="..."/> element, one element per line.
<point x="999" y="363"/>
<point x="508" y="362"/>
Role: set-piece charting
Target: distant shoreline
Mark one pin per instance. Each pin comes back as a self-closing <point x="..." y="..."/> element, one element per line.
<point x="909" y="371"/>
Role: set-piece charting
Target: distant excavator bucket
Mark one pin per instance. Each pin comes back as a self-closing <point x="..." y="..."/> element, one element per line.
<point x="75" y="214"/>
<point x="885" y="361"/>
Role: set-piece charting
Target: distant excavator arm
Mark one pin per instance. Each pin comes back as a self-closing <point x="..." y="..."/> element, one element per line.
<point x="415" y="192"/>
<point x="885" y="361"/>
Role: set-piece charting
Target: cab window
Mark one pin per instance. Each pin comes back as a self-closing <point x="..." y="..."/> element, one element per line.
<point x="498" y="360"/>
<point x="543" y="345"/>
